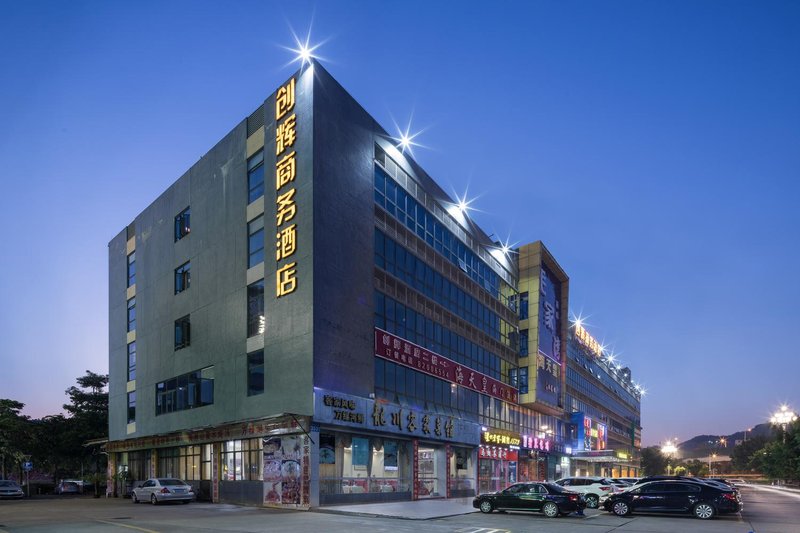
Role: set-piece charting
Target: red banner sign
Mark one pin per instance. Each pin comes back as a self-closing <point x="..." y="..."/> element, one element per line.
<point x="408" y="354"/>
<point x="496" y="452"/>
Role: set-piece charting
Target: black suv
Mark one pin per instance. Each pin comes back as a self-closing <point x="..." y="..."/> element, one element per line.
<point x="675" y="496"/>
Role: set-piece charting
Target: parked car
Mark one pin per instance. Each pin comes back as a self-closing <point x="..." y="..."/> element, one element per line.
<point x="10" y="489"/>
<point x="68" y="487"/>
<point x="674" y="496"/>
<point x="664" y="477"/>
<point x="594" y="489"/>
<point x="157" y="490"/>
<point x="631" y="480"/>
<point x="551" y="499"/>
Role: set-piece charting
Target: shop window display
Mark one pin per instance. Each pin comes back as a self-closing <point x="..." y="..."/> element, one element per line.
<point x="355" y="464"/>
<point x="462" y="472"/>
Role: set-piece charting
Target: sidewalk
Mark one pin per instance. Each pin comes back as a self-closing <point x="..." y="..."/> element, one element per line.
<point x="409" y="510"/>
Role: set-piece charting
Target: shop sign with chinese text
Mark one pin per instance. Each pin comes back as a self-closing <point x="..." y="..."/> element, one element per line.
<point x="376" y="415"/>
<point x="405" y="353"/>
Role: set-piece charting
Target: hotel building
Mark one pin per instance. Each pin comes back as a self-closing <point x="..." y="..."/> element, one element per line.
<point x="305" y="318"/>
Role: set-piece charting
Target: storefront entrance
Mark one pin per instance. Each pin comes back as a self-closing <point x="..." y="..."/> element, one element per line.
<point x="431" y="473"/>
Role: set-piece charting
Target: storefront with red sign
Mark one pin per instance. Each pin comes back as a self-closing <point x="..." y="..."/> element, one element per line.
<point x="498" y="456"/>
<point x="534" y="454"/>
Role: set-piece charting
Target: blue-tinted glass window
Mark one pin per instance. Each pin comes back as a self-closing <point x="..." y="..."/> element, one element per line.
<point x="182" y="332"/>
<point x="132" y="314"/>
<point x="131" y="407"/>
<point x="255" y="176"/>
<point x="255" y="242"/>
<point x="523" y="342"/>
<point x="182" y="277"/>
<point x="131" y="361"/>
<point x="131" y="269"/>
<point x="255" y="308"/>
<point x="523" y="305"/>
<point x="255" y="373"/>
<point x="182" y="224"/>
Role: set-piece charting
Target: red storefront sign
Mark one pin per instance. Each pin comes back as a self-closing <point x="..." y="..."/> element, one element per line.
<point x="403" y="352"/>
<point x="495" y="452"/>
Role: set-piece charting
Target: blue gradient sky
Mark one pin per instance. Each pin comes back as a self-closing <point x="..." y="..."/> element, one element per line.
<point x="653" y="146"/>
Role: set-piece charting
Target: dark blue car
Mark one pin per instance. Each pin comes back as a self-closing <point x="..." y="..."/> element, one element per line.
<point x="675" y="496"/>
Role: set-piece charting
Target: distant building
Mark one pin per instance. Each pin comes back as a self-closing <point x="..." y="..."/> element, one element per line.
<point x="604" y="407"/>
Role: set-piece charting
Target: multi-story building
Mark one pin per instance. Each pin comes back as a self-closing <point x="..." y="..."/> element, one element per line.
<point x="604" y="406"/>
<point x="305" y="317"/>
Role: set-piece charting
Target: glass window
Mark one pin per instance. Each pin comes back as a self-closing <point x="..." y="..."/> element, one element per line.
<point x="131" y="407"/>
<point x="255" y="176"/>
<point x="131" y="269"/>
<point x="182" y="224"/>
<point x="186" y="391"/>
<point x="182" y="277"/>
<point x="523" y="342"/>
<point x="255" y="373"/>
<point x="132" y="361"/>
<point x="255" y="242"/>
<point x="523" y="306"/>
<point x="523" y="380"/>
<point x="255" y="308"/>
<point x="132" y="314"/>
<point x="182" y="333"/>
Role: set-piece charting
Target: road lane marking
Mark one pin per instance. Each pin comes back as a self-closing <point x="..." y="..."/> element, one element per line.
<point x="126" y="525"/>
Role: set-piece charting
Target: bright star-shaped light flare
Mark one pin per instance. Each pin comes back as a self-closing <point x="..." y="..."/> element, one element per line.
<point x="304" y="51"/>
<point x="405" y="139"/>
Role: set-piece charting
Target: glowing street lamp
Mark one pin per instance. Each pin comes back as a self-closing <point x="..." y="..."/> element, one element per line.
<point x="711" y="457"/>
<point x="669" y="449"/>
<point x="783" y="417"/>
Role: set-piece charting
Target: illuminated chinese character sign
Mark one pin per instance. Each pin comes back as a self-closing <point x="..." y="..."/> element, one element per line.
<point x="549" y="315"/>
<point x="285" y="205"/>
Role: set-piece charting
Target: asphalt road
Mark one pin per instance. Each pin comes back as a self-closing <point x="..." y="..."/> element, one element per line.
<point x="766" y="511"/>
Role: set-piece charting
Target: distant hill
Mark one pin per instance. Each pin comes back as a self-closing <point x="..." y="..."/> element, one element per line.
<point x="703" y="445"/>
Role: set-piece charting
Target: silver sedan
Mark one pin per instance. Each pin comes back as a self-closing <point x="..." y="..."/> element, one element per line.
<point x="157" y="490"/>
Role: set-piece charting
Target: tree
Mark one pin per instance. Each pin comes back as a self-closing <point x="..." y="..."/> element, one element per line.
<point x="653" y="461"/>
<point x="743" y="453"/>
<point x="697" y="468"/>
<point x="14" y="436"/>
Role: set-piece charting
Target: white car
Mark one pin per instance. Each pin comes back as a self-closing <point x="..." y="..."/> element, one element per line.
<point x="594" y="489"/>
<point x="157" y="490"/>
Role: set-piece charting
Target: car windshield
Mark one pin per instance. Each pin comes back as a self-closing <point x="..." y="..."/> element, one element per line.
<point x="8" y="484"/>
<point x="552" y="487"/>
<point x="171" y="482"/>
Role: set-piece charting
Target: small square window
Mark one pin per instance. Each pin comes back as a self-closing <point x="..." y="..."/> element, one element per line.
<point x="182" y="224"/>
<point x="182" y="333"/>
<point x="182" y="277"/>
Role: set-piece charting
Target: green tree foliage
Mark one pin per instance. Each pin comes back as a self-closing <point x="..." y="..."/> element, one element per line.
<point x="780" y="459"/>
<point x="14" y="437"/>
<point x="697" y="468"/>
<point x="743" y="453"/>
<point x="653" y="461"/>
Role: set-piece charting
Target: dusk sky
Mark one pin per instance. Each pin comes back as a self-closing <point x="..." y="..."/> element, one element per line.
<point x="653" y="146"/>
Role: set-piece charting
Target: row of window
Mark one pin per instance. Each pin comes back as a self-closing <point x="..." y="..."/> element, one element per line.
<point x="188" y="391"/>
<point x="396" y="318"/>
<point x="401" y="263"/>
<point x="402" y="206"/>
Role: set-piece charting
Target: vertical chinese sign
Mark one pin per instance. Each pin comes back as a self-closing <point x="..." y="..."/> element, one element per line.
<point x="285" y="206"/>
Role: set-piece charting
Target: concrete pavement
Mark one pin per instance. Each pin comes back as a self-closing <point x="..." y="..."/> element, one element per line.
<point x="409" y="510"/>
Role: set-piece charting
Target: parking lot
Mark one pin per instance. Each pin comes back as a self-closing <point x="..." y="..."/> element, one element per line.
<point x="766" y="511"/>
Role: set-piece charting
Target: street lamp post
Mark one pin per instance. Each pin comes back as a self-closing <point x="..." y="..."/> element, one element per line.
<point x="669" y="449"/>
<point x="710" y="467"/>
<point x="783" y="417"/>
